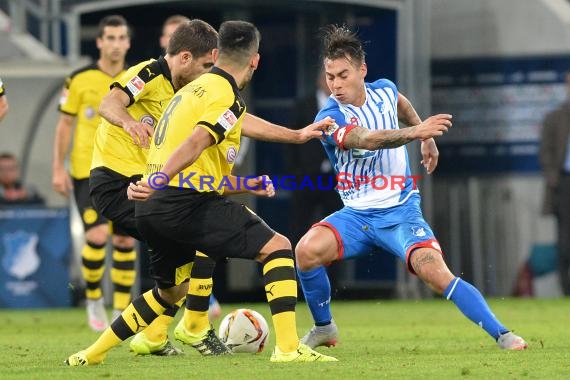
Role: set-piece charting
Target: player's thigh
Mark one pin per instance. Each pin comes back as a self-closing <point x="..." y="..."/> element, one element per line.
<point x="108" y="192"/>
<point x="409" y="233"/>
<point x="353" y="233"/>
<point x="89" y="215"/>
<point x="229" y="229"/>
<point x="169" y="260"/>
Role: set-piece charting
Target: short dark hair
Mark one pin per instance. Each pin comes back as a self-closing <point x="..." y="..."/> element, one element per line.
<point x="112" y="20"/>
<point x="340" y="42"/>
<point x="196" y="36"/>
<point x="6" y="156"/>
<point x="239" y="40"/>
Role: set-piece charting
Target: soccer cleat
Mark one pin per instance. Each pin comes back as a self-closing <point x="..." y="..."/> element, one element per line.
<point x="207" y="343"/>
<point x="303" y="353"/>
<point x="79" y="359"/>
<point x="96" y="315"/>
<point x="321" y="336"/>
<point x="510" y="341"/>
<point x="140" y="345"/>
<point x="214" y="310"/>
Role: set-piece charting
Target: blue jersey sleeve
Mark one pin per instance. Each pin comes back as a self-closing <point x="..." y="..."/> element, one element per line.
<point x="331" y="110"/>
<point x="383" y="83"/>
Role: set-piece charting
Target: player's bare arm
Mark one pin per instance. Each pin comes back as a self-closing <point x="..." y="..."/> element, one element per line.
<point x="260" y="129"/>
<point x="260" y="186"/>
<point x="113" y="108"/>
<point x="61" y="181"/>
<point x="362" y="138"/>
<point x="406" y="112"/>
<point x="3" y="106"/>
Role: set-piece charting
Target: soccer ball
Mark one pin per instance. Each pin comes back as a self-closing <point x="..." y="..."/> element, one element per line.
<point x="244" y="331"/>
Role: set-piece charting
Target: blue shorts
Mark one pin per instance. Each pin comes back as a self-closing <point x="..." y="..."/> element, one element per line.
<point x="397" y="230"/>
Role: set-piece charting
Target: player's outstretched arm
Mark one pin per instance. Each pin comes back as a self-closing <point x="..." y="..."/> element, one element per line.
<point x="260" y="129"/>
<point x="113" y="108"/>
<point x="260" y="186"/>
<point x="362" y="138"/>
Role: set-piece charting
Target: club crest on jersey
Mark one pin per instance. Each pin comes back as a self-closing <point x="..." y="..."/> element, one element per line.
<point x="135" y="85"/>
<point x="231" y="155"/>
<point x="418" y="231"/>
<point x="90" y="112"/>
<point x="227" y="120"/>
<point x="147" y="119"/>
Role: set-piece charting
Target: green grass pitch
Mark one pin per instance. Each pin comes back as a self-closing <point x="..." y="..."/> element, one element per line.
<point x="426" y="339"/>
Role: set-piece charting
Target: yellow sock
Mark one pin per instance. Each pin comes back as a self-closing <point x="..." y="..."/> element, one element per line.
<point x="97" y="351"/>
<point x="123" y="276"/>
<point x="198" y="297"/>
<point x="157" y="331"/>
<point x="135" y="318"/>
<point x="92" y="268"/>
<point x="281" y="292"/>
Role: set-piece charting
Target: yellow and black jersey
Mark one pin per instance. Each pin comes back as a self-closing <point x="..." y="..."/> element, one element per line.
<point x="149" y="87"/>
<point x="213" y="102"/>
<point x="2" y="91"/>
<point x="83" y="91"/>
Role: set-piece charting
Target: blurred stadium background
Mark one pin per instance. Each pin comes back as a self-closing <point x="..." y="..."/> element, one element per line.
<point x="496" y="65"/>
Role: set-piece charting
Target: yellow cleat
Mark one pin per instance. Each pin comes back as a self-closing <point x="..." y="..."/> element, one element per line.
<point x="303" y="354"/>
<point x="207" y="342"/>
<point x="140" y="345"/>
<point x="79" y="359"/>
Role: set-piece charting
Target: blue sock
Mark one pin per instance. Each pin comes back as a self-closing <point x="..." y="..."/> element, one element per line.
<point x="472" y="304"/>
<point x="317" y="291"/>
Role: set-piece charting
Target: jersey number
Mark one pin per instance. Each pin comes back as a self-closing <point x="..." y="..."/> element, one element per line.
<point x="160" y="132"/>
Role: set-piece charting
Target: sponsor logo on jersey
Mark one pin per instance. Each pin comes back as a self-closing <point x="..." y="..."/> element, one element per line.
<point x="135" y="85"/>
<point x="227" y="120"/>
<point x="63" y="96"/>
<point x="354" y="120"/>
<point x="147" y="119"/>
<point x="231" y="155"/>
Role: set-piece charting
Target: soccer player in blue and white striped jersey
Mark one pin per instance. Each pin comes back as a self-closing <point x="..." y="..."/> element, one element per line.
<point x="382" y="204"/>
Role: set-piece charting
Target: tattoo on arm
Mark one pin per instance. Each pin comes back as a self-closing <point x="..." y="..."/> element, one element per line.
<point x="361" y="138"/>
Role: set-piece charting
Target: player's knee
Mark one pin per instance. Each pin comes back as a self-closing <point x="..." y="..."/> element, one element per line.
<point x="123" y="242"/>
<point x="97" y="235"/>
<point x="307" y="254"/>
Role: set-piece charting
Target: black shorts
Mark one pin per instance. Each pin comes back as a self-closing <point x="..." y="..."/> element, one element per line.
<point x="108" y="190"/>
<point x="89" y="214"/>
<point x="176" y="223"/>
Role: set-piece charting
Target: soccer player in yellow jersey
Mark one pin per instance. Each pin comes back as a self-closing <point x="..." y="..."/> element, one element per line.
<point x="80" y="100"/>
<point x="198" y="137"/>
<point x="130" y="111"/>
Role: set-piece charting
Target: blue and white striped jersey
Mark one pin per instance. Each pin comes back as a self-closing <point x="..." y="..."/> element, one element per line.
<point x="368" y="179"/>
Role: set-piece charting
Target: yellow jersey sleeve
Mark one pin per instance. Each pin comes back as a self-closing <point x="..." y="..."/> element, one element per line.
<point x="70" y="99"/>
<point x="138" y="82"/>
<point x="2" y="91"/>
